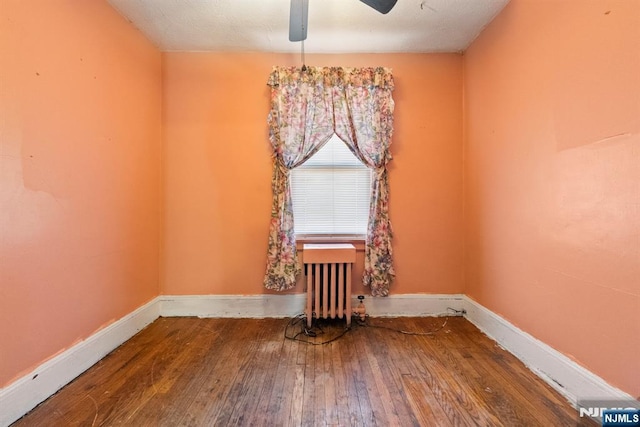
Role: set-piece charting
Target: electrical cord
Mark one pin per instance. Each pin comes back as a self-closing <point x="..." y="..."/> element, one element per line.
<point x="310" y="332"/>
<point x="406" y="332"/>
<point x="317" y="330"/>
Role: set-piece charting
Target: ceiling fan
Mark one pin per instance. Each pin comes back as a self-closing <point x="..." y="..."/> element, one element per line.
<point x="299" y="15"/>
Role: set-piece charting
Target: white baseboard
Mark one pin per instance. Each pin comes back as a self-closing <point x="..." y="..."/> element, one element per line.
<point x="26" y="393"/>
<point x="236" y="306"/>
<point x="413" y="305"/>
<point x="261" y="306"/>
<point x="571" y="380"/>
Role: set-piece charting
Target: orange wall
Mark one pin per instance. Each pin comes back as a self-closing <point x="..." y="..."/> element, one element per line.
<point x="80" y="144"/>
<point x="217" y="170"/>
<point x="552" y="178"/>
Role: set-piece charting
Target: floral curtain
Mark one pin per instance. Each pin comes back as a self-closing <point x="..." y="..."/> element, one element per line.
<point x="307" y="108"/>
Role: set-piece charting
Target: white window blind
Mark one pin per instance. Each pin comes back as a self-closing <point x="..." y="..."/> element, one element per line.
<point x="331" y="192"/>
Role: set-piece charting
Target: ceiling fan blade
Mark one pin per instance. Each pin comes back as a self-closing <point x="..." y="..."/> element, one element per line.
<point x="382" y="6"/>
<point x="298" y="18"/>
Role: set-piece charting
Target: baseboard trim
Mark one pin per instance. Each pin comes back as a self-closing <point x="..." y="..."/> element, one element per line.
<point x="413" y="305"/>
<point x="571" y="380"/>
<point x="235" y="306"/>
<point x="26" y="393"/>
<point x="261" y="306"/>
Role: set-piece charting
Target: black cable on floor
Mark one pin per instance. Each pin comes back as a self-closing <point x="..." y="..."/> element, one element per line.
<point x="368" y="325"/>
<point x="317" y="330"/>
<point x="312" y="332"/>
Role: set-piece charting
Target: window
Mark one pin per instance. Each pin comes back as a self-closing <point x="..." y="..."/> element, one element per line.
<point x="331" y="192"/>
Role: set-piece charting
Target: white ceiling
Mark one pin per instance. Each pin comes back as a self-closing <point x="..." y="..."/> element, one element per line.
<point x="335" y="26"/>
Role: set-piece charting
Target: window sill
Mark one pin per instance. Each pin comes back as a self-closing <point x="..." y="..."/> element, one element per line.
<point x="355" y="240"/>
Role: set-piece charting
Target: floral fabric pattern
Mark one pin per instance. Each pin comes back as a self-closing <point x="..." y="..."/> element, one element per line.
<point x="307" y="108"/>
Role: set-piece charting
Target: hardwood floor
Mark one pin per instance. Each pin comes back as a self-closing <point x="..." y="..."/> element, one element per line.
<point x="219" y="372"/>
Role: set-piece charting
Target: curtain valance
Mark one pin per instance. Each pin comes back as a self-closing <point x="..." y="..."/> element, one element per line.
<point x="333" y="76"/>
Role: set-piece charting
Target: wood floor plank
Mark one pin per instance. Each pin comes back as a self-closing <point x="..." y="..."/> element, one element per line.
<point x="170" y="398"/>
<point x="374" y="410"/>
<point x="484" y="397"/>
<point x="309" y="388"/>
<point x="514" y="380"/>
<point x="243" y="372"/>
<point x="451" y="357"/>
<point x="222" y="366"/>
<point x="439" y="381"/>
<point x="270" y="353"/>
<point x="281" y="396"/>
<point x="348" y="370"/>
<point x="319" y="406"/>
<point x="385" y="345"/>
<point x="298" y="396"/>
<point x="258" y="378"/>
<point x="331" y="409"/>
<point x="423" y="403"/>
<point x="383" y="385"/>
